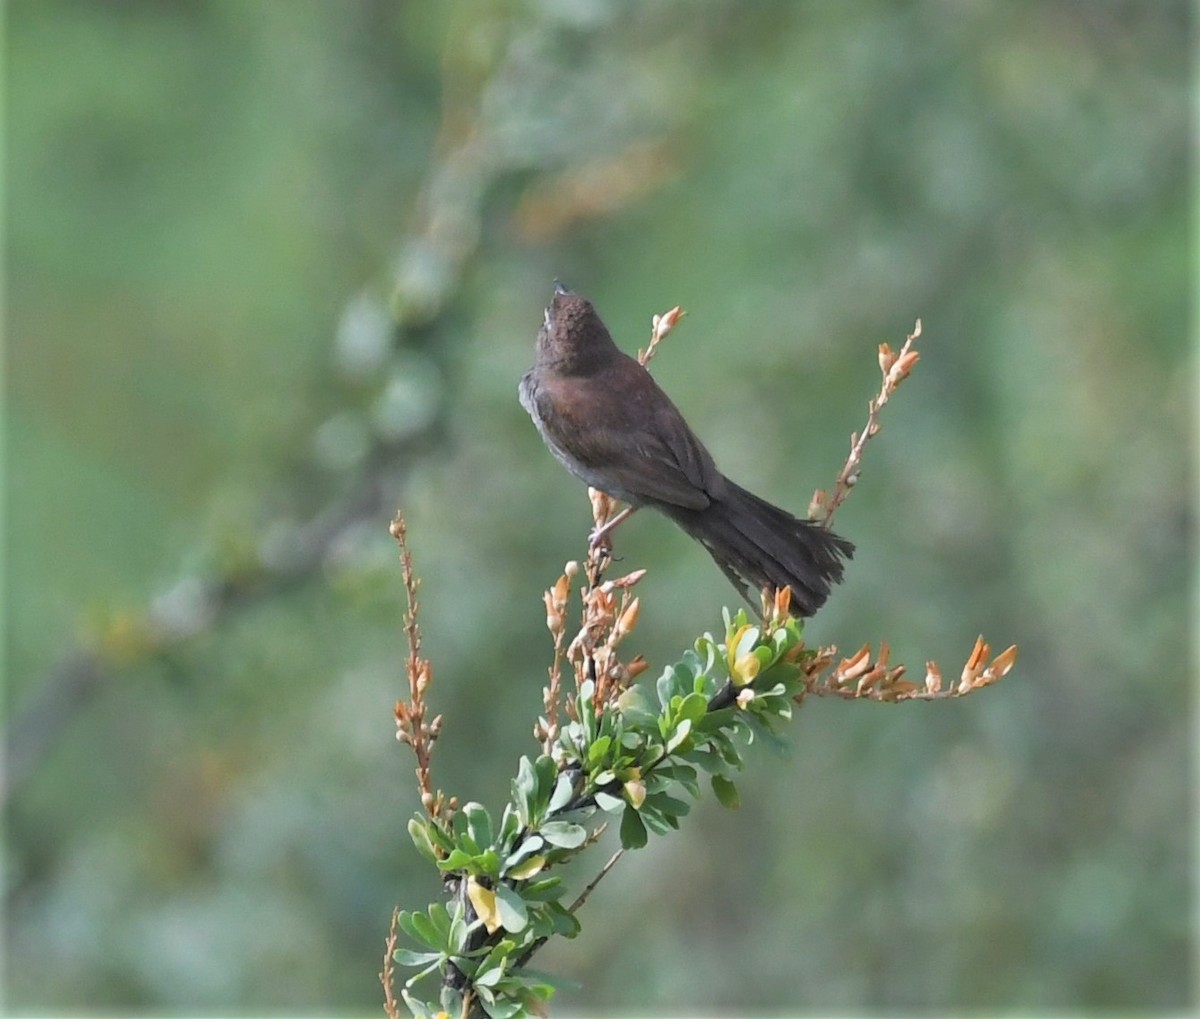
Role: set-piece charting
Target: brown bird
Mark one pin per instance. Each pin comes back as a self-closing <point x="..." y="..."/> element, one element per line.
<point x="607" y="421"/>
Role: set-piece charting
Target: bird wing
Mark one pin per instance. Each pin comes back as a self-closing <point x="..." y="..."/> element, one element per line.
<point x="648" y="454"/>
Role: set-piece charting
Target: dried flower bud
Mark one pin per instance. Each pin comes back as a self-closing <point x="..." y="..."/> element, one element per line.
<point x="554" y="619"/>
<point x="562" y="589"/>
<point x="636" y="667"/>
<point x="629" y="579"/>
<point x="933" y="677"/>
<point x="427" y="800"/>
<point x="887" y="358"/>
<point x="628" y="618"/>
<point x="899" y="371"/>
<point x="1004" y="662"/>
<point x="974" y="667"/>
<point x="602" y="506"/>
<point x="871" y="679"/>
<point x="854" y="666"/>
<point x="401" y="711"/>
<point x="663" y="324"/>
<point x="602" y="602"/>
<point x="817" y="504"/>
<point x="571" y="569"/>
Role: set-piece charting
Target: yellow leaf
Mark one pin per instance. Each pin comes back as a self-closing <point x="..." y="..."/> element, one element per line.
<point x="635" y="793"/>
<point x="484" y="901"/>
<point x="745" y="669"/>
<point x="527" y="868"/>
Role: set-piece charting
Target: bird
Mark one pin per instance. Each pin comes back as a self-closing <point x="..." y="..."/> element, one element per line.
<point x="607" y="421"/>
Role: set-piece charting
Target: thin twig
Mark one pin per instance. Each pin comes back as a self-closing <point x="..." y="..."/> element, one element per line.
<point x="411" y="582"/>
<point x="660" y="325"/>
<point x="895" y="368"/>
<point x="411" y="727"/>
<point x="583" y="896"/>
<point x="387" y="975"/>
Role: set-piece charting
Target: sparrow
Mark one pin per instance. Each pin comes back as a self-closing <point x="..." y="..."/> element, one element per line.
<point x="607" y="421"/>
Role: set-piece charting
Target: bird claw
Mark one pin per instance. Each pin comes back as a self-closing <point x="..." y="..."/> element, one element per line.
<point x="600" y="538"/>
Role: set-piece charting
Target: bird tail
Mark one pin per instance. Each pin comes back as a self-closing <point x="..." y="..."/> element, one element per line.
<point x="762" y="547"/>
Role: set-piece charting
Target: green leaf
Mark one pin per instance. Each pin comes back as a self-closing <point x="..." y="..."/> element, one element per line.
<point x="726" y="791"/>
<point x="489" y="977"/>
<point x="418" y="831"/>
<point x="502" y="1008"/>
<point x="420" y="927"/>
<point x="587" y="710"/>
<point x="681" y="733"/>
<point x="524" y="788"/>
<point x="510" y="824"/>
<point x="659" y="824"/>
<point x="597" y="751"/>
<point x="457" y="860"/>
<point x="665" y="686"/>
<point x="439" y="915"/>
<point x="547" y="889"/>
<point x="479" y="824"/>
<point x="451" y="1000"/>
<point x="458" y="933"/>
<point x="634" y="707"/>
<point x="693" y="707"/>
<point x="682" y="773"/>
<point x="668" y="806"/>
<point x="564" y="789"/>
<point x="404" y="957"/>
<point x="511" y="909"/>
<point x="564" y="834"/>
<point x="563" y="922"/>
<point x="547" y="776"/>
<point x="499" y="954"/>
<point x="706" y="654"/>
<point x="488" y="862"/>
<point x="766" y="657"/>
<point x="609" y="803"/>
<point x="633" y="831"/>
<point x="528" y="847"/>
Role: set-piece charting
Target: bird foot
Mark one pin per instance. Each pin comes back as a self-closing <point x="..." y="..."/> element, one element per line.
<point x="601" y="537"/>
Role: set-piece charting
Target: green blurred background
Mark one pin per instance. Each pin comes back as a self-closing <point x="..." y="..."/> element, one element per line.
<point x="275" y="267"/>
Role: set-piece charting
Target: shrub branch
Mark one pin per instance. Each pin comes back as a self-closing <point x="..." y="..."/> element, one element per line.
<point x="611" y="746"/>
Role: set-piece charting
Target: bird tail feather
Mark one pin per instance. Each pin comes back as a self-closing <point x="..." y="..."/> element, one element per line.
<point x="759" y="547"/>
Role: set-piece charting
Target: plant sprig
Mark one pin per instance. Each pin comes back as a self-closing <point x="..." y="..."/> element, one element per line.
<point x="614" y="751"/>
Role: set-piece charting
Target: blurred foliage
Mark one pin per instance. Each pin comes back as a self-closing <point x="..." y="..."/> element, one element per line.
<point x="252" y="244"/>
